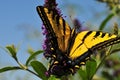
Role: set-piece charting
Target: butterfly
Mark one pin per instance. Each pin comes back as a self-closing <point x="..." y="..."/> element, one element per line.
<point x="67" y="48"/>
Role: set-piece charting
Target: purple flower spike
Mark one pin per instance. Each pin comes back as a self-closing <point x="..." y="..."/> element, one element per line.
<point x="78" y="25"/>
<point x="44" y="47"/>
<point x="43" y="27"/>
<point x="51" y="4"/>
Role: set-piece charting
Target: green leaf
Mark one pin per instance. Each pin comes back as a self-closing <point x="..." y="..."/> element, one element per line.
<point x="103" y="24"/>
<point x="82" y="74"/>
<point x="8" y="69"/>
<point x="53" y="78"/>
<point x="30" y="50"/>
<point x="12" y="50"/>
<point x="33" y="55"/>
<point x="40" y="69"/>
<point x="91" y="68"/>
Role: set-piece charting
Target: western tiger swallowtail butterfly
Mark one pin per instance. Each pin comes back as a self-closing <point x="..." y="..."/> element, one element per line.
<point x="66" y="48"/>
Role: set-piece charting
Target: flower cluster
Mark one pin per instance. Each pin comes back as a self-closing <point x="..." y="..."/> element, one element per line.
<point x="78" y="26"/>
<point x="47" y="44"/>
<point x="51" y="4"/>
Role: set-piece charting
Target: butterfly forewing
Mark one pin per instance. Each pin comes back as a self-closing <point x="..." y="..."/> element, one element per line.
<point x="56" y="26"/>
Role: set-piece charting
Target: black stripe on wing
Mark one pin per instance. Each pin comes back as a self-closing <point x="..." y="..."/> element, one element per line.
<point x="51" y="37"/>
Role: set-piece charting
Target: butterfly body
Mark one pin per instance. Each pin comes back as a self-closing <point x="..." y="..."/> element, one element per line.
<point x="67" y="48"/>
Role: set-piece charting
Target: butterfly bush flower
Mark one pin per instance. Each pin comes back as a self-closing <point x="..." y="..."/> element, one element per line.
<point x="77" y="24"/>
<point x="46" y="42"/>
<point x="48" y="46"/>
<point x="51" y="4"/>
<point x="44" y="30"/>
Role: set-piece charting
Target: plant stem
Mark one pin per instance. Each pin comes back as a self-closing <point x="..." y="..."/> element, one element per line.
<point x="103" y="59"/>
<point x="33" y="73"/>
<point x="23" y="67"/>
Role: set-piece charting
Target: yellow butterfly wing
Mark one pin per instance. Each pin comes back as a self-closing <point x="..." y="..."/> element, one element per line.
<point x="90" y="40"/>
<point x="56" y="26"/>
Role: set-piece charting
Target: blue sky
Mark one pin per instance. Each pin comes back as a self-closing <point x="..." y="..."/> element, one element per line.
<point x="19" y="19"/>
<point x="15" y="13"/>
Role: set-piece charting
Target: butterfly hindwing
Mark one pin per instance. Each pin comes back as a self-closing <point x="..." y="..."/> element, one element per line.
<point x="90" y="40"/>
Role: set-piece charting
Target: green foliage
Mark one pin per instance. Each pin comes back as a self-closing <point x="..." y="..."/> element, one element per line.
<point x="88" y="73"/>
<point x="40" y="69"/>
<point x="37" y="66"/>
<point x="12" y="51"/>
<point x="103" y="24"/>
<point x="91" y="68"/>
<point x="9" y="69"/>
<point x="53" y="78"/>
<point x="83" y="74"/>
<point x="33" y="55"/>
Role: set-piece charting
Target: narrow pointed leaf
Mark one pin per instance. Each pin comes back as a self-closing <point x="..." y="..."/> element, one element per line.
<point x="33" y="55"/>
<point x="8" y="69"/>
<point x="39" y="69"/>
<point x="12" y="51"/>
<point x="103" y="24"/>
